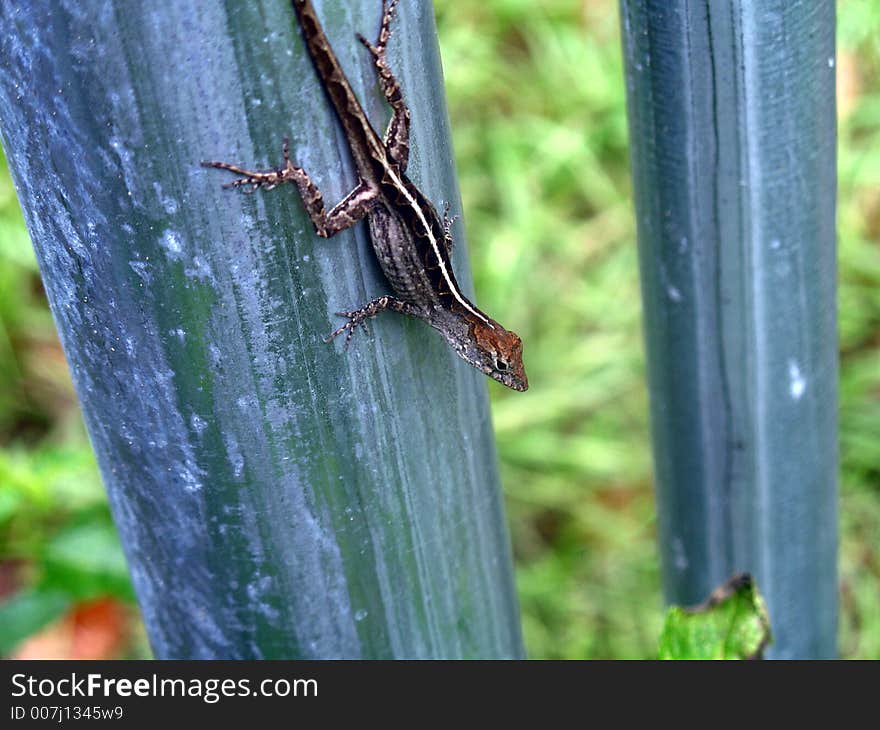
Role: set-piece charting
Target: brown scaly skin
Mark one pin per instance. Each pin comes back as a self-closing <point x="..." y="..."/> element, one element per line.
<point x="411" y="241"/>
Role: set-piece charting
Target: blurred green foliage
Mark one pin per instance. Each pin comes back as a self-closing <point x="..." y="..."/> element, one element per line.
<point x="57" y="541"/>
<point x="537" y="103"/>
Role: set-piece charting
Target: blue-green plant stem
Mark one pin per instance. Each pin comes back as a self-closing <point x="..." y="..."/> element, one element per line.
<point x="732" y="123"/>
<point x="276" y="496"/>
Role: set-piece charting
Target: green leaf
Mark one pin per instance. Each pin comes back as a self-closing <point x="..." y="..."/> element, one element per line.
<point x="731" y="624"/>
<point x="28" y="612"/>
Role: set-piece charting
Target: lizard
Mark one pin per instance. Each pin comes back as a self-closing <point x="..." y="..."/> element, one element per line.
<point x="411" y="241"/>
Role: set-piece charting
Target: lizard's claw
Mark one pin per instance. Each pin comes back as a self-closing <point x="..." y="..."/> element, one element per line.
<point x="355" y="319"/>
<point x="447" y="226"/>
<point x="256" y="179"/>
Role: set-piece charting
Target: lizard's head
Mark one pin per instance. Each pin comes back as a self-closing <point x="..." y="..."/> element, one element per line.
<point x="498" y="353"/>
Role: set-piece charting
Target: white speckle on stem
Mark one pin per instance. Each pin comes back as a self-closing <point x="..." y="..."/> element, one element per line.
<point x="200" y="269"/>
<point x="797" y="383"/>
<point x="672" y="291"/>
<point x="168" y="203"/>
<point x="189" y="474"/>
<point x="171" y="243"/>
<point x="679" y="556"/>
<point x="142" y="269"/>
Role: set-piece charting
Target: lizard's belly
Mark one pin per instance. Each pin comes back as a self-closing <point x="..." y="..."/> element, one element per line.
<point x="399" y="258"/>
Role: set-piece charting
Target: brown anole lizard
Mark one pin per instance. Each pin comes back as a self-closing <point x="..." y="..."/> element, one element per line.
<point x="411" y="241"/>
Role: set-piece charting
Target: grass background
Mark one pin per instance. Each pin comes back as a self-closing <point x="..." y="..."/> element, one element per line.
<point x="537" y="103"/>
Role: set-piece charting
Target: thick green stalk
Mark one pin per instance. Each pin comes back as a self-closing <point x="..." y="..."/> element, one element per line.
<point x="276" y="496"/>
<point x="733" y="150"/>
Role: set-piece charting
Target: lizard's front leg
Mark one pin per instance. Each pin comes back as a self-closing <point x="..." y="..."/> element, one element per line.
<point x="344" y="214"/>
<point x="397" y="135"/>
<point x="358" y="317"/>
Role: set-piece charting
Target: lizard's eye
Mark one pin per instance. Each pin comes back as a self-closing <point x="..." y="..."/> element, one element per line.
<point x="501" y="365"/>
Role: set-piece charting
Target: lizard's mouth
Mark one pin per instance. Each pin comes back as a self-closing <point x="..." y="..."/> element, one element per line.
<point x="515" y="381"/>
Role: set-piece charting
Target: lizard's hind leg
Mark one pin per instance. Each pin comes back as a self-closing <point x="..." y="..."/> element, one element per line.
<point x="397" y="135"/>
<point x="359" y="317"/>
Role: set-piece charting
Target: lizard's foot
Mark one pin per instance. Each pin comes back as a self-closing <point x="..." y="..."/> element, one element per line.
<point x="378" y="51"/>
<point x="253" y="180"/>
<point x="447" y="227"/>
<point x="359" y="317"/>
<point x="356" y="319"/>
